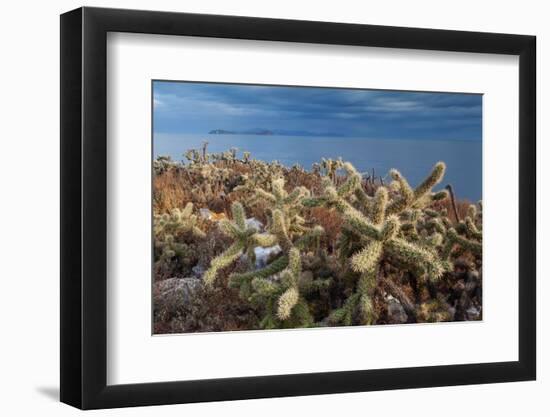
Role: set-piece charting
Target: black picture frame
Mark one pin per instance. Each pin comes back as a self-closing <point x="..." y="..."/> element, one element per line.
<point x="84" y="207"/>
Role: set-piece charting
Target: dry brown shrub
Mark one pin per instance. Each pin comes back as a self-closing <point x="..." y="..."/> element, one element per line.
<point x="461" y="207"/>
<point x="297" y="178"/>
<point x="330" y="220"/>
<point x="170" y="190"/>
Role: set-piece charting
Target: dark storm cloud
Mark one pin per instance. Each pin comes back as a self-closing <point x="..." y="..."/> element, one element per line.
<point x="181" y="107"/>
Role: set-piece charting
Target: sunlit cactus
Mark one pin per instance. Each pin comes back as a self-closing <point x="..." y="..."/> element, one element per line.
<point x="372" y="232"/>
<point x="454" y="239"/>
<point x="162" y="164"/>
<point x="178" y="221"/>
<point x="245" y="239"/>
<point x="279" y="299"/>
<point x="289" y="279"/>
<point x="170" y="248"/>
<point x="330" y="167"/>
<point x="175" y="233"/>
<point x="289" y="204"/>
<point x="278" y="230"/>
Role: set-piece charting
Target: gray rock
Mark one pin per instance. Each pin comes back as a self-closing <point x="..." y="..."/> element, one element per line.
<point x="198" y="271"/>
<point x="473" y="313"/>
<point x="396" y="312"/>
<point x="263" y="255"/>
<point x="171" y="293"/>
<point x="205" y="213"/>
<point x="255" y="224"/>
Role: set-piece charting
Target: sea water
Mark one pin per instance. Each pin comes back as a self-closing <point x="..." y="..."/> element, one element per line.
<point x="413" y="158"/>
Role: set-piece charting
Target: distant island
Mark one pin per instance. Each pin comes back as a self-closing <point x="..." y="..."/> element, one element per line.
<point x="242" y="132"/>
<point x="268" y="132"/>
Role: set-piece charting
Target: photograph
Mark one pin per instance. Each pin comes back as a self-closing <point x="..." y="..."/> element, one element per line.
<point x="282" y="207"/>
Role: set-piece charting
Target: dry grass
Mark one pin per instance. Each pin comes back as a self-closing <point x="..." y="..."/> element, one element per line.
<point x="169" y="191"/>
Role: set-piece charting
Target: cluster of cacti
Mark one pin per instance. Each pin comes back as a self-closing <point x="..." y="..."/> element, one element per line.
<point x="163" y="164"/>
<point x="275" y="287"/>
<point x="174" y="234"/>
<point x="394" y="242"/>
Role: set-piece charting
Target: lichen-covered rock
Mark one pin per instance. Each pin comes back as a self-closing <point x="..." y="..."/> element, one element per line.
<point x="396" y="312"/>
<point x="172" y="293"/>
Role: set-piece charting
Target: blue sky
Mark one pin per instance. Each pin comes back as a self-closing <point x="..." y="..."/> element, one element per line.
<point x="197" y="108"/>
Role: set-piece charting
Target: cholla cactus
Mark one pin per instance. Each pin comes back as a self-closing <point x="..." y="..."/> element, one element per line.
<point x="454" y="239"/>
<point x="275" y="289"/>
<point x="280" y="298"/>
<point x="435" y="310"/>
<point x="246" y="238"/>
<point x="339" y="197"/>
<point x="466" y="237"/>
<point x="281" y="237"/>
<point x="177" y="222"/>
<point x="173" y="234"/>
<point x="163" y="164"/>
<point x="372" y="232"/>
<point x="422" y="195"/>
<point x="290" y="279"/>
<point x="227" y="156"/>
<point x="289" y="204"/>
<point x="331" y="166"/>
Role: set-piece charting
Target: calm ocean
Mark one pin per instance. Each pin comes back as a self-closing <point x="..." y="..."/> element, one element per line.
<point x="413" y="158"/>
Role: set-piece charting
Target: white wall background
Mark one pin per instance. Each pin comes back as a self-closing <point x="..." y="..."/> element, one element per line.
<point x="29" y="225"/>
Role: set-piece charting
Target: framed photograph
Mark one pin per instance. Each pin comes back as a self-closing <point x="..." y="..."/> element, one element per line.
<point x="256" y="208"/>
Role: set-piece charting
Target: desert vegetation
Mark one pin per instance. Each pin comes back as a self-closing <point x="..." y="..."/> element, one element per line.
<point x="244" y="244"/>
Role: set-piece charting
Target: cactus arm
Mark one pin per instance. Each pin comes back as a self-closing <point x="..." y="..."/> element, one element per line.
<point x="286" y="303"/>
<point x="316" y="201"/>
<point x="309" y="239"/>
<point x="295" y="195"/>
<point x="440" y="195"/>
<point x="225" y="259"/>
<point x="359" y="224"/>
<point x="265" y="240"/>
<point x="262" y="194"/>
<point x="280" y="230"/>
<point x="229" y="228"/>
<point x="472" y="229"/>
<point x="409" y="254"/>
<point x="352" y="183"/>
<point x="273" y="268"/>
<point x="367" y="258"/>
<point x="198" y="232"/>
<point x="378" y="208"/>
<point x="238" y="215"/>
<point x="344" y="314"/>
<point x="435" y="177"/>
<point x="362" y="197"/>
<point x="467" y="244"/>
<point x="407" y="194"/>
<point x="294" y="265"/>
<point x="263" y="287"/>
